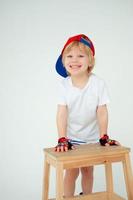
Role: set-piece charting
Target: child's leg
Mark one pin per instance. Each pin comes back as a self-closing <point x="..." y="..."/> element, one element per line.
<point x="87" y="179"/>
<point x="69" y="181"/>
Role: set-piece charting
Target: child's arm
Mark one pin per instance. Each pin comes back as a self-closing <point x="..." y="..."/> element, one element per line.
<point x="63" y="142"/>
<point x="102" y="116"/>
<point x="61" y="120"/>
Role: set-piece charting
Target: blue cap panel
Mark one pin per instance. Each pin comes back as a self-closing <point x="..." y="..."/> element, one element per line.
<point x="60" y="68"/>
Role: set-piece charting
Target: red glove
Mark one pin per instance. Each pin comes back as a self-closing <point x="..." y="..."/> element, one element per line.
<point x="64" y="142"/>
<point x="105" y="140"/>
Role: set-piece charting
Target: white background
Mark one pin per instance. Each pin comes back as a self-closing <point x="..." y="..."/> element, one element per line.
<point x="32" y="34"/>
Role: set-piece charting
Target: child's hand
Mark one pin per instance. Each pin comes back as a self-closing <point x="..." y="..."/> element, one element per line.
<point x="106" y="141"/>
<point x="63" y="145"/>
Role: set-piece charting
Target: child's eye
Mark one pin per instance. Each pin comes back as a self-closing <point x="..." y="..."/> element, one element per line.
<point x="69" y="56"/>
<point x="81" y="56"/>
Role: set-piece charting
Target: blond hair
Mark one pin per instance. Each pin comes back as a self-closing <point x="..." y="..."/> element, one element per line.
<point x="84" y="48"/>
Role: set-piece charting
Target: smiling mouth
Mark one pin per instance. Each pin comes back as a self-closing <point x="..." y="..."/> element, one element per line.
<point x="75" y="66"/>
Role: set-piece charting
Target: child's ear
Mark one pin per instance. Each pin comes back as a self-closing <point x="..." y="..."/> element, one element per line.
<point x="90" y="68"/>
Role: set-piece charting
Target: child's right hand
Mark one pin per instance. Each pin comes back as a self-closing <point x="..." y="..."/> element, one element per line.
<point x="63" y="145"/>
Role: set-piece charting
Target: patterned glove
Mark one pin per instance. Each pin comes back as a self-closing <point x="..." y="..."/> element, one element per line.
<point x="105" y="140"/>
<point x="64" y="142"/>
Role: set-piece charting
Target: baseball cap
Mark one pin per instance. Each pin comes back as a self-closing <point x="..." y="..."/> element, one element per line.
<point x="81" y="38"/>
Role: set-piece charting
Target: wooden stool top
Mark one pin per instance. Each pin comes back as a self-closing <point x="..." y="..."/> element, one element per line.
<point x="87" y="151"/>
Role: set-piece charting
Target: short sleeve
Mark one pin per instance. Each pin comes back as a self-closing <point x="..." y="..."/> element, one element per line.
<point x="61" y="98"/>
<point x="103" y="94"/>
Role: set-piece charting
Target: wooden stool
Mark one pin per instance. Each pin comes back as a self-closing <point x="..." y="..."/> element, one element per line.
<point x="88" y="155"/>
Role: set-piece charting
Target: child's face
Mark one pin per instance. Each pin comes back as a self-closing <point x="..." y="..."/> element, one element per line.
<point x="76" y="61"/>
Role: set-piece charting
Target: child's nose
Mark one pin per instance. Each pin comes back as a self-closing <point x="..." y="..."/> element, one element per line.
<point x="75" y="59"/>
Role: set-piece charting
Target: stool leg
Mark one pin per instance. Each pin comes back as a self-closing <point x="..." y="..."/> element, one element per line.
<point x="109" y="179"/>
<point x="59" y="181"/>
<point x="128" y="176"/>
<point x="46" y="180"/>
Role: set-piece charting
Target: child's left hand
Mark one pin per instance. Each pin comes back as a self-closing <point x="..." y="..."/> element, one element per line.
<point x="106" y="141"/>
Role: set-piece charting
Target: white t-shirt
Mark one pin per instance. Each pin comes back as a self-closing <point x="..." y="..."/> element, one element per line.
<point x="82" y="104"/>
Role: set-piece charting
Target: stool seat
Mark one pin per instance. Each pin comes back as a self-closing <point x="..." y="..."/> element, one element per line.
<point x="88" y="155"/>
